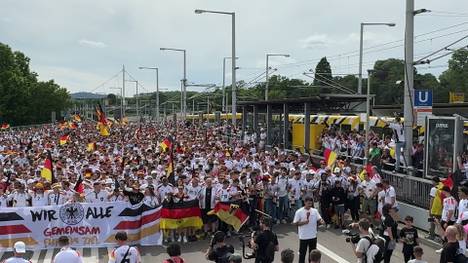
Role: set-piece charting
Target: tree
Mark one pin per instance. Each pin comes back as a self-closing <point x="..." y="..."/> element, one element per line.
<point x="323" y="75"/>
<point x="455" y="78"/>
<point x="112" y="98"/>
<point x="24" y="99"/>
<point x="348" y="81"/>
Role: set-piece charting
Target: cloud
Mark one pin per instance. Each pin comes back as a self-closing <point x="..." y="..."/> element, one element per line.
<point x="91" y="43"/>
<point x="317" y="40"/>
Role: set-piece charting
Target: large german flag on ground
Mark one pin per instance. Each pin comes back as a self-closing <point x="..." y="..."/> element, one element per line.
<point x="181" y="215"/>
<point x="230" y="213"/>
<point x="47" y="171"/>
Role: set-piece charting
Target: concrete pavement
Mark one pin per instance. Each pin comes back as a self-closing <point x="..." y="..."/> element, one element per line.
<point x="331" y="242"/>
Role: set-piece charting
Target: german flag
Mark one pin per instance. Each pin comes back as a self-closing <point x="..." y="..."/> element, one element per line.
<point x="170" y="166"/>
<point x="5" y="126"/>
<point x="63" y="125"/>
<point x="79" y="187"/>
<point x="181" y="215"/>
<point x="91" y="147"/>
<point x="166" y="144"/>
<point x="48" y="172"/>
<point x="330" y="157"/>
<point x="230" y="213"/>
<point x="72" y="125"/>
<point x="64" y="139"/>
<point x="102" y="126"/>
<point x="77" y="117"/>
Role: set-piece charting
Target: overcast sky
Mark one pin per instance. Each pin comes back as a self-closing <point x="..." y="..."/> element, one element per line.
<point x="83" y="43"/>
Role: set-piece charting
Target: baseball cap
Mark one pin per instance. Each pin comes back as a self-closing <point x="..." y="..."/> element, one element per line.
<point x="20" y="247"/>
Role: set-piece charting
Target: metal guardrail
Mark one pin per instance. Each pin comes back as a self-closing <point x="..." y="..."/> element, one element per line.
<point x="409" y="189"/>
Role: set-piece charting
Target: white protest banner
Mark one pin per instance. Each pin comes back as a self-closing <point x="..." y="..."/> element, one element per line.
<point x="87" y="225"/>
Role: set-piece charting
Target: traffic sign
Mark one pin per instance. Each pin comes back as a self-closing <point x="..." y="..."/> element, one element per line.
<point x="423" y="98"/>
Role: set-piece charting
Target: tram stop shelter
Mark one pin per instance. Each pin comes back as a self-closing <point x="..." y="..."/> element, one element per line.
<point x="274" y="116"/>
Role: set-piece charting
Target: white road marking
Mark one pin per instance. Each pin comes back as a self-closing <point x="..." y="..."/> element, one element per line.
<point x="331" y="254"/>
<point x="94" y="257"/>
<point x="35" y="255"/>
<point x="48" y="256"/>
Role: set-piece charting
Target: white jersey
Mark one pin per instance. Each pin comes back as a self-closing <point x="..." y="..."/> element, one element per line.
<point x="16" y="260"/>
<point x="224" y="195"/>
<point x="20" y="199"/>
<point x="3" y="201"/>
<point x="117" y="255"/>
<point x="93" y="197"/>
<point x="462" y="210"/>
<point x="68" y="255"/>
<point x="56" y="198"/>
<point x="39" y="199"/>
<point x="193" y="192"/>
<point x="151" y="201"/>
<point x="296" y="187"/>
<point x="163" y="190"/>
<point x="449" y="205"/>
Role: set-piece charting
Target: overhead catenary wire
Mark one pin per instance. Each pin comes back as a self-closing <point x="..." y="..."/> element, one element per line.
<point x="105" y="82"/>
<point x="440" y="50"/>
<point x="367" y="49"/>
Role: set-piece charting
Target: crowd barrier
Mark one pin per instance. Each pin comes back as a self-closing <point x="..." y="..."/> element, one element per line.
<point x="409" y="189"/>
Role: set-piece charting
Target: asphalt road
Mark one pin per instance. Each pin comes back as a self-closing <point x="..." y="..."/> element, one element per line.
<point x="331" y="242"/>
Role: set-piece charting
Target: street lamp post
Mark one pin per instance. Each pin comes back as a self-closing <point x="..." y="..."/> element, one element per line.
<point x="233" y="55"/>
<point x="157" y="89"/>
<point x="183" y="106"/>
<point x="361" y="45"/>
<point x="225" y="100"/>
<point x="366" y="148"/>
<point x="267" y="69"/>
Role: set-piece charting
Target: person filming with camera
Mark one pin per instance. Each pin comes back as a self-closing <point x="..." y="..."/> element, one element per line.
<point x="219" y="251"/>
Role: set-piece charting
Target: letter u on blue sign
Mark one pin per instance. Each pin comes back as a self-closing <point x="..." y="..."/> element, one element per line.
<point x="423" y="98"/>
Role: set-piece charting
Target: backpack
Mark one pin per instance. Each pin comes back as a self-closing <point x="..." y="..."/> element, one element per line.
<point x="377" y="244"/>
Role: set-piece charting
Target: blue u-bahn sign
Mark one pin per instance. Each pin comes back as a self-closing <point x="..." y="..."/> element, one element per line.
<point x="422" y="98"/>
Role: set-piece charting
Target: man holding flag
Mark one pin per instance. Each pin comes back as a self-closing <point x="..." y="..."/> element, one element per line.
<point x="102" y="125"/>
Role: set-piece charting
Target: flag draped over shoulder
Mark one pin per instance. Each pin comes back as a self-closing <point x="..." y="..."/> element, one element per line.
<point x="102" y="125"/>
<point x="330" y="157"/>
<point x="181" y="215"/>
<point x="47" y="171"/>
<point x="230" y="213"/>
<point x="437" y="205"/>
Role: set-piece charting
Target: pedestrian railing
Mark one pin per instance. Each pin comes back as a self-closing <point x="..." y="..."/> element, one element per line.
<point x="409" y="189"/>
